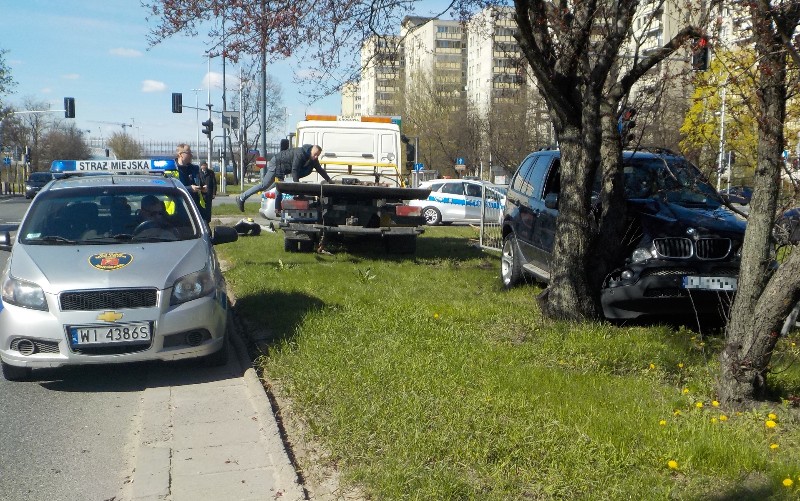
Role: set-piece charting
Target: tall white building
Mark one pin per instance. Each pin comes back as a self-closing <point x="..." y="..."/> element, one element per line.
<point x="435" y="49"/>
<point x="351" y="99"/>
<point x="381" y="75"/>
<point x="495" y="66"/>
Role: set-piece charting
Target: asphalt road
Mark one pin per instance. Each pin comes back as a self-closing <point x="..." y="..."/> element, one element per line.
<point x="68" y="434"/>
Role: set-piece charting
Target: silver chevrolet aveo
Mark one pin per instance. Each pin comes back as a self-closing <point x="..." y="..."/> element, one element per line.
<point x="111" y="269"/>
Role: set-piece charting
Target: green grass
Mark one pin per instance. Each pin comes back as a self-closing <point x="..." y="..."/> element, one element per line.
<point x="425" y="380"/>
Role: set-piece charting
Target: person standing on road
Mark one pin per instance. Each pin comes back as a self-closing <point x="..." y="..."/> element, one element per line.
<point x="298" y="161"/>
<point x="208" y="187"/>
<point x="188" y="173"/>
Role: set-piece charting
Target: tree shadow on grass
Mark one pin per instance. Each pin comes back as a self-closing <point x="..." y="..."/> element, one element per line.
<point x="272" y="317"/>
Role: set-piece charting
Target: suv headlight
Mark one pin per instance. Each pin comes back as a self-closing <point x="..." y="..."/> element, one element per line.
<point x="642" y="254"/>
<point x="192" y="286"/>
<point x="25" y="294"/>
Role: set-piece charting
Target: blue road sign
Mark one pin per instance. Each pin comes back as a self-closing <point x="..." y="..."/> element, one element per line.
<point x="419" y="166"/>
<point x="459" y="161"/>
<point x="7" y="160"/>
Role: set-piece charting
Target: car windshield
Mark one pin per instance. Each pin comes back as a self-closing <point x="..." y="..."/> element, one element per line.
<point x="109" y="215"/>
<point x="41" y="177"/>
<point x="674" y="179"/>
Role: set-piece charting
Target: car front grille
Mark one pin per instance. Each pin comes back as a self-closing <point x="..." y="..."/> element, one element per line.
<point x="108" y="299"/>
<point x="683" y="248"/>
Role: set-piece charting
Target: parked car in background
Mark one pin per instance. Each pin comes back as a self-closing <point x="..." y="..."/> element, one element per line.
<point x="36" y="182"/>
<point x="787" y="228"/>
<point x="460" y="201"/>
<point x="267" y="208"/>
<point x="738" y="194"/>
<point x="108" y="269"/>
<point x="682" y="247"/>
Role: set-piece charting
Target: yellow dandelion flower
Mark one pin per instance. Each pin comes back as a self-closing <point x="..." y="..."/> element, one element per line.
<point x="663" y="422"/>
<point x="702" y="343"/>
<point x="435" y="315"/>
<point x="714" y="403"/>
<point x="699" y="405"/>
<point x="772" y="416"/>
<point x="788" y="482"/>
<point x="773" y="446"/>
<point x="677" y="412"/>
<point x="685" y="391"/>
<point x="713" y="420"/>
<point x="723" y="417"/>
<point x="652" y="366"/>
<point x="793" y="344"/>
<point x="673" y="465"/>
<point x="771" y="424"/>
<point x="680" y="365"/>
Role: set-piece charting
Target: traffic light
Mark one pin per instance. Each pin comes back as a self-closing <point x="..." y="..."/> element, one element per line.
<point x="177" y="102"/>
<point x="208" y="126"/>
<point x="69" y="107"/>
<point x="700" y="54"/>
<point x="625" y="123"/>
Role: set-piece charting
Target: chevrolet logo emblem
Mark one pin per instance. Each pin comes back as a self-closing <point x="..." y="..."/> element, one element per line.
<point x="109" y="316"/>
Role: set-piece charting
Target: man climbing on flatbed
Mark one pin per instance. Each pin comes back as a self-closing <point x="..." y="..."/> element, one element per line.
<point x="298" y="161"/>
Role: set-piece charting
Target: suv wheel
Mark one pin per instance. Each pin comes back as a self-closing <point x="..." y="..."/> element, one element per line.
<point x="432" y="216"/>
<point x="510" y="266"/>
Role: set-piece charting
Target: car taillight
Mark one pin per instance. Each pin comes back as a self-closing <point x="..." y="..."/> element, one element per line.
<point x="407" y="210"/>
<point x="268" y="194"/>
<point x="295" y="204"/>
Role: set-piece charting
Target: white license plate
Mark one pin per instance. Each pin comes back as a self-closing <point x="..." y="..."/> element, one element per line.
<point x="710" y="283"/>
<point x="130" y="333"/>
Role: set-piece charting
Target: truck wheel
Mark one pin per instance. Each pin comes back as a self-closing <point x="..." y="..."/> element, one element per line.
<point x="432" y="216"/>
<point x="407" y="244"/>
<point x="510" y="266"/>
<point x="306" y="245"/>
<point x="290" y="245"/>
<point x="14" y="373"/>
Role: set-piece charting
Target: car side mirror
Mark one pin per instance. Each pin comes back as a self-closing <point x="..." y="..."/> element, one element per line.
<point x="551" y="201"/>
<point x="6" y="242"/>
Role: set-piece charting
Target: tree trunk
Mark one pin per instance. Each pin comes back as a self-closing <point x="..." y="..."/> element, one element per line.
<point x="764" y="298"/>
<point x="568" y="295"/>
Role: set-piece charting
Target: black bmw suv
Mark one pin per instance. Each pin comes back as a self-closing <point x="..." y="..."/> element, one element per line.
<point x="682" y="248"/>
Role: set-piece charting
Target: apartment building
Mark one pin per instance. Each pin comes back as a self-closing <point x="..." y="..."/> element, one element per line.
<point x="351" y="99"/>
<point x="382" y="75"/>
<point x="435" y="49"/>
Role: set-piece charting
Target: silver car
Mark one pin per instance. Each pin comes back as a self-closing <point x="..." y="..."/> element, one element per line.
<point x="112" y="269"/>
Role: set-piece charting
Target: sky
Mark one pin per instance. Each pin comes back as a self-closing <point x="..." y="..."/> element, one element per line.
<point x="96" y="51"/>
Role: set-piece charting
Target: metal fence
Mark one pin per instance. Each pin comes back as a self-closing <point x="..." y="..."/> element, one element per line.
<point x="491" y="227"/>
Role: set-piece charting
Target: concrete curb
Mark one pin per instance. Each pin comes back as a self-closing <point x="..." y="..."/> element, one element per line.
<point x="211" y="434"/>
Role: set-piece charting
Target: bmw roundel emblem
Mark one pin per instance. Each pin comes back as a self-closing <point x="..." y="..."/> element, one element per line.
<point x="110" y="260"/>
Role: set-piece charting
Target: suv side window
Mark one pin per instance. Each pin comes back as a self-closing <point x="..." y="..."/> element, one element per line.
<point x="553" y="182"/>
<point x="521" y="182"/>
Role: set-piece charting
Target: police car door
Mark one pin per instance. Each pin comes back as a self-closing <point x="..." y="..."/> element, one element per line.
<point x="473" y="193"/>
<point x="453" y="202"/>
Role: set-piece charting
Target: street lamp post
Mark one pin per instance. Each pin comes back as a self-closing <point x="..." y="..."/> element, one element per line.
<point x="721" y="159"/>
<point x="197" y="116"/>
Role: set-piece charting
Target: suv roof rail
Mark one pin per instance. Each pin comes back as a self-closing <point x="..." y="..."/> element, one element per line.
<point x="659" y="150"/>
<point x="548" y="147"/>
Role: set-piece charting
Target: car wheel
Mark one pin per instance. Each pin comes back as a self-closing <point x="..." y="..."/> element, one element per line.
<point x="14" y="373"/>
<point x="432" y="215"/>
<point x="510" y="265"/>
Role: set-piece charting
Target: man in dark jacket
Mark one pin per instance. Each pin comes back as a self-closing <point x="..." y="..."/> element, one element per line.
<point x="188" y="173"/>
<point x="298" y="161"/>
<point x="208" y="188"/>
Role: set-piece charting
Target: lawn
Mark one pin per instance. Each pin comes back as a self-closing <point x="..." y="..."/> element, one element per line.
<point x="421" y="378"/>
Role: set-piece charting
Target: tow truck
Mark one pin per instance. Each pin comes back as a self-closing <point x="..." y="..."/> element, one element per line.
<point x="366" y="198"/>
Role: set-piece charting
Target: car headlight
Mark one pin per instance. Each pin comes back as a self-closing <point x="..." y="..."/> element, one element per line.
<point x="25" y="294"/>
<point x="642" y="254"/>
<point x="192" y="286"/>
